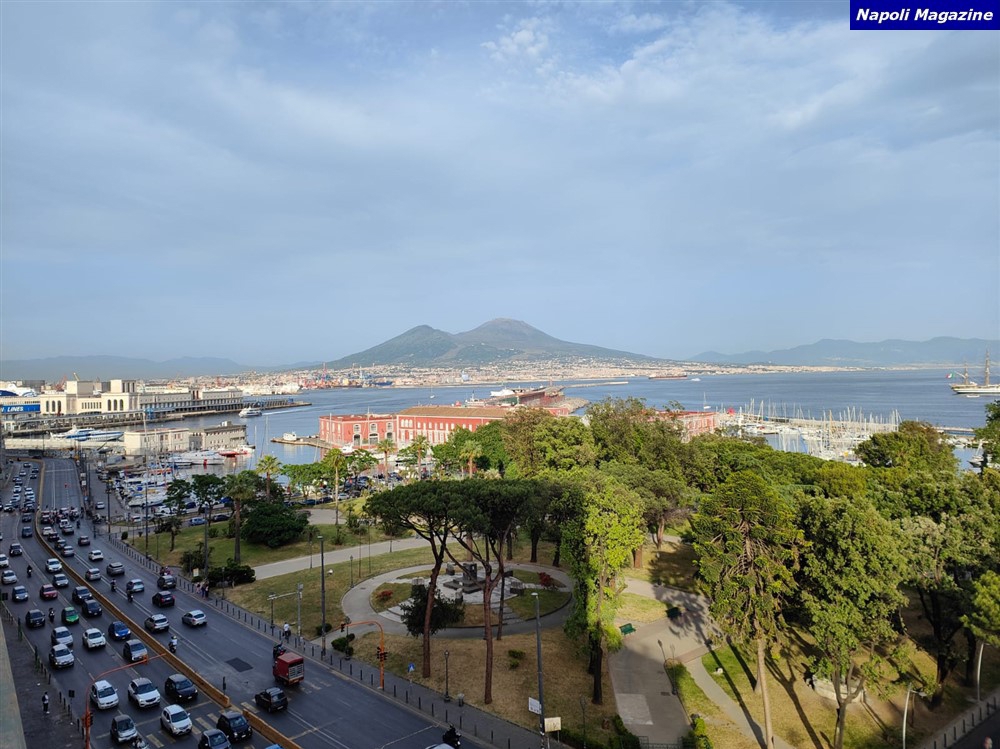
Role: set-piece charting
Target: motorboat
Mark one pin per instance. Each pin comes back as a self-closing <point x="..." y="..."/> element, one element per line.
<point x="251" y="411"/>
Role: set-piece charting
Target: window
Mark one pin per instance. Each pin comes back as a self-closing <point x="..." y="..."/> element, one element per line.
<point x="357" y="429"/>
<point x="373" y="428"/>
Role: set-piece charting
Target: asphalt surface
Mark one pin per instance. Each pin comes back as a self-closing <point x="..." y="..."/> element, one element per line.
<point x="57" y="729"/>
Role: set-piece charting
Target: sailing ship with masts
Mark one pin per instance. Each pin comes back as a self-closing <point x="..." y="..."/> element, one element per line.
<point x="972" y="389"/>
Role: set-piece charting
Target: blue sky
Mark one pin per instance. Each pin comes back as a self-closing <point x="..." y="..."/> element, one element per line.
<point x="279" y="182"/>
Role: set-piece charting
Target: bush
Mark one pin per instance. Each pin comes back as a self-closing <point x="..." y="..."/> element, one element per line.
<point x="124" y="535"/>
<point x="628" y="739"/>
<point x="514" y="658"/>
<point x="384" y="595"/>
<point x="571" y="737"/>
<point x="234" y="574"/>
<point x="547" y="581"/>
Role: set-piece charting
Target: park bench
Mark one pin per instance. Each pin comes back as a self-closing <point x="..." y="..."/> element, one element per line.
<point x="627" y="629"/>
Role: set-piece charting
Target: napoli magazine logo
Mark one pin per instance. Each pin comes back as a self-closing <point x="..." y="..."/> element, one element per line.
<point x="951" y="15"/>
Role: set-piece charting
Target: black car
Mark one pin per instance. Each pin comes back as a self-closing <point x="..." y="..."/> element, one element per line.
<point x="271" y="699"/>
<point x="179" y="688"/>
<point x="235" y="725"/>
<point x="163" y="599"/>
<point x="15" y="550"/>
<point x="166" y="582"/>
<point x="34" y="618"/>
<point x="91" y="608"/>
<point x="81" y="593"/>
<point x="27" y="532"/>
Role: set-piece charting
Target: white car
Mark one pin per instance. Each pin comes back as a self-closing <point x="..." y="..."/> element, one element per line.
<point x="94" y="638"/>
<point x="175" y="720"/>
<point x="195" y="618"/>
<point x="9" y="577"/>
<point x="103" y="695"/>
<point x="4" y="562"/>
<point x="142" y="692"/>
<point x="53" y="565"/>
<point x="157" y="623"/>
<point x="96" y="555"/>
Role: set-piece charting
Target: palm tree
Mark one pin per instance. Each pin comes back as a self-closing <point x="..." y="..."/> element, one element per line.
<point x="334" y="462"/>
<point x="241" y="487"/>
<point x="420" y="446"/>
<point x="267" y="467"/>
<point x="469" y="451"/>
<point x="385" y="447"/>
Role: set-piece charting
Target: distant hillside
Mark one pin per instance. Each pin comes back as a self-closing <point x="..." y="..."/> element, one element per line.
<point x="496" y="341"/>
<point x="55" y="368"/>
<point x="949" y="352"/>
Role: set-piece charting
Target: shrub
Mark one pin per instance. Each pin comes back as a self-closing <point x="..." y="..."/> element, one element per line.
<point x="384" y="595"/>
<point x="514" y="658"/>
<point x="628" y="739"/>
<point x="546" y="580"/>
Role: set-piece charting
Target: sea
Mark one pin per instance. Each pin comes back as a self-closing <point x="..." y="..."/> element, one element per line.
<point x="888" y="395"/>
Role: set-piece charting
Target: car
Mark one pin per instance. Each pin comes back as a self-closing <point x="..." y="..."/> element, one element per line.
<point x="103" y="695"/>
<point x="48" y="592"/>
<point x="19" y="593"/>
<point x="166" y="582"/>
<point x="95" y="555"/>
<point x="197" y="521"/>
<point x="135" y="586"/>
<point x="180" y="688"/>
<point x="157" y="623"/>
<point x="163" y="599"/>
<point x="195" y="618"/>
<point x="123" y="729"/>
<point x="175" y="720"/>
<point x="83" y="541"/>
<point x="15" y="550"/>
<point x="98" y="505"/>
<point x="61" y="656"/>
<point x="53" y="565"/>
<point x="34" y="618"/>
<point x="8" y="577"/>
<point x="271" y="699"/>
<point x="93" y="638"/>
<point x="60" y="580"/>
<point x="81" y="593"/>
<point x="119" y="631"/>
<point x="61" y="636"/>
<point x="91" y="608"/>
<point x="92" y="574"/>
<point x="66" y="528"/>
<point x="67" y="551"/>
<point x="213" y="738"/>
<point x="143" y="693"/>
<point x="114" y="569"/>
<point x="235" y="725"/>
<point x="70" y="615"/>
<point x="26" y="531"/>
<point x="134" y="651"/>
<point x="4" y="561"/>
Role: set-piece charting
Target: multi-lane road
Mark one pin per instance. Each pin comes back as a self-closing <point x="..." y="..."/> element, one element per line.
<point x="325" y="711"/>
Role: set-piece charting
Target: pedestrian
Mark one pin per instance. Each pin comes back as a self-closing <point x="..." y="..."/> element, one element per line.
<point x="45" y="703"/>
<point x="988" y="744"/>
<point x="288" y="631"/>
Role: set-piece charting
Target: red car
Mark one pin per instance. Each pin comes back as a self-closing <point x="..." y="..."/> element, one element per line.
<point x="48" y="592"/>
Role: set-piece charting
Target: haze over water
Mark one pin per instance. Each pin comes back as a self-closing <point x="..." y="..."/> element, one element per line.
<point x="919" y="395"/>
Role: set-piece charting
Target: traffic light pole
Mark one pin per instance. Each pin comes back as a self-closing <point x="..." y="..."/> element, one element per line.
<point x="381" y="652"/>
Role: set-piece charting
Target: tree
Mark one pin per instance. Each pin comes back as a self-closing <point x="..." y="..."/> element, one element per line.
<point x="915" y="445"/>
<point x="565" y="444"/>
<point x="304" y="477"/>
<point x="486" y="516"/>
<point x="518" y="433"/>
<point x="849" y="582"/>
<point x="386" y="447"/>
<point x="274" y="524"/>
<point x="428" y="508"/>
<point x="470" y="450"/>
<point x="601" y="534"/>
<point x="620" y="428"/>
<point x="241" y="487"/>
<point x="360" y="461"/>
<point x="335" y="463"/>
<point x="267" y="467"/>
<point x="746" y="542"/>
<point x="989" y="435"/>
<point x="178" y="493"/>
<point x="443" y="613"/>
<point x="984" y="617"/>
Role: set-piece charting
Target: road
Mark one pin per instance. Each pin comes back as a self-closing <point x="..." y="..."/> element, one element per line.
<point x="327" y="710"/>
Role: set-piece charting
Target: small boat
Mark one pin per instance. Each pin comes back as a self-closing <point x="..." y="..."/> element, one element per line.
<point x="290" y="437"/>
<point x="251" y="411"/>
<point x="236" y="451"/>
<point x="199" y="457"/>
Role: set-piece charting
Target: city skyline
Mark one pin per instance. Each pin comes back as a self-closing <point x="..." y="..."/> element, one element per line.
<point x="273" y="183"/>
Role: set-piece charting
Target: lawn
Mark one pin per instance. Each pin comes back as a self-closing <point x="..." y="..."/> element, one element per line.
<point x="672" y="564"/>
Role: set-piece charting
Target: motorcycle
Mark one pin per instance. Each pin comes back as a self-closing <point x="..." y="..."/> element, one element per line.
<point x="29" y="570"/>
<point x="452" y="737"/>
<point x="172" y="645"/>
<point x="52" y="616"/>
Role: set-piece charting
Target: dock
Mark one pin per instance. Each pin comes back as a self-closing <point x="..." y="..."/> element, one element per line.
<point x="309" y="441"/>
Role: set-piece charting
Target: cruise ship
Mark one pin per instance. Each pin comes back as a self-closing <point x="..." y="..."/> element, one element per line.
<point x="85" y="434"/>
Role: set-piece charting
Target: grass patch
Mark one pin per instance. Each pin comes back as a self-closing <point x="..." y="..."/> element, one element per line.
<point x="548" y="601"/>
<point x="721" y="730"/>
<point x="673" y="564"/>
<point x="640" y="609"/>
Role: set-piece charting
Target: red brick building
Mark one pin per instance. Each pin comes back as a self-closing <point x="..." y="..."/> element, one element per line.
<point x="365" y="430"/>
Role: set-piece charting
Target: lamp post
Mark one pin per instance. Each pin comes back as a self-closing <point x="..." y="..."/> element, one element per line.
<point x="322" y="595"/>
<point x="107" y="504"/>
<point x="351" y="565"/>
<point x="541" y="692"/>
<point x="906" y="704"/>
<point x="447" y="696"/>
<point x="583" y="709"/>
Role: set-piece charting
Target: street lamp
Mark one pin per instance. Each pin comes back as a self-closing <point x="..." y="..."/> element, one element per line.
<point x="322" y="594"/>
<point x="447" y="696"/>
<point x="351" y="565"/>
<point x="541" y="692"/>
<point x="906" y="704"/>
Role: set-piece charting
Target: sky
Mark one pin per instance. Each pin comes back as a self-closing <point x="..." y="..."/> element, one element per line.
<point x="283" y="182"/>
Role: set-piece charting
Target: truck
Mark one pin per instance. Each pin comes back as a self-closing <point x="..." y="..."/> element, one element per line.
<point x="289" y="668"/>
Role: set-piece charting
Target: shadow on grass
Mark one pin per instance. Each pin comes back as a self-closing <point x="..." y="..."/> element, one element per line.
<point x="758" y="732"/>
<point x="788" y="684"/>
